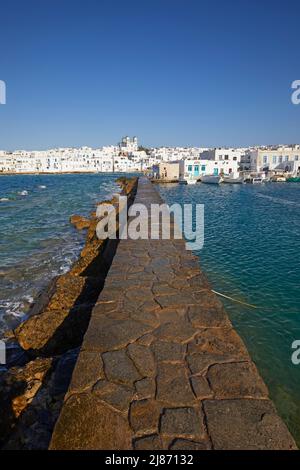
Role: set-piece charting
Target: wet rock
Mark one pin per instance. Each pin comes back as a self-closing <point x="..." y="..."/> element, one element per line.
<point x="63" y="373"/>
<point x="80" y="222"/>
<point x="18" y="387"/>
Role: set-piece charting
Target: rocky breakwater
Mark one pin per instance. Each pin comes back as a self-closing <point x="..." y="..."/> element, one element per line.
<point x="31" y="393"/>
<point x="161" y="366"/>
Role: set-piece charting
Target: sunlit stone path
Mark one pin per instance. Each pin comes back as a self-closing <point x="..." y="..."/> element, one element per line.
<point x="161" y="366"/>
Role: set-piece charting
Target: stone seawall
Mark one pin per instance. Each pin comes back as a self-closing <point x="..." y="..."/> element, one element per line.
<point x="161" y="366"/>
<point x="43" y="349"/>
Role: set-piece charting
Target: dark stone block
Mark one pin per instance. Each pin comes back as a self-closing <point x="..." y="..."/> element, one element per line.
<point x="105" y="334"/>
<point x="246" y="424"/>
<point x="117" y="396"/>
<point x="168" y="351"/>
<point x="142" y="358"/>
<point x="148" y="443"/>
<point x="201" y="387"/>
<point x="181" y="331"/>
<point x="182" y="422"/>
<point x="202" y="316"/>
<point x="119" y="368"/>
<point x="236" y="380"/>
<point x="144" y="416"/>
<point x="145" y="388"/>
<point x="184" y="444"/>
<point x="173" y="386"/>
<point x="88" y="371"/>
<point x="87" y="424"/>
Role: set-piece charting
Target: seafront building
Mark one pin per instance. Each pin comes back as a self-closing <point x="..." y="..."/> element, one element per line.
<point x="215" y="162"/>
<point x="272" y="159"/>
<point x="171" y="171"/>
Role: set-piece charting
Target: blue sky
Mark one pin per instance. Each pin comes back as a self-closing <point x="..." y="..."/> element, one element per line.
<point x="173" y="72"/>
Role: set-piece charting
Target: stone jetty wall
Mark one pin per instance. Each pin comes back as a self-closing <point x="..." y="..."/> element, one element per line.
<point x="47" y="343"/>
<point x="161" y="366"/>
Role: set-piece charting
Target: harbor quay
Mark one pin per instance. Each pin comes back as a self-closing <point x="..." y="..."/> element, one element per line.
<point x="160" y="365"/>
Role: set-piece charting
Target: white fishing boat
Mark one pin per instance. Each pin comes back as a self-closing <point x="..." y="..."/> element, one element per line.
<point x="191" y="181"/>
<point x="232" y="180"/>
<point x="211" y="179"/>
<point x="278" y="179"/>
<point x="254" y="180"/>
<point x="257" y="180"/>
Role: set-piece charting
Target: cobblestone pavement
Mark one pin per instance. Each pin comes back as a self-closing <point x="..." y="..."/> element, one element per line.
<point x="161" y="366"/>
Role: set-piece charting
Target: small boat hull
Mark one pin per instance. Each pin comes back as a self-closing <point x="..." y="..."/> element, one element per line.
<point x="191" y="181"/>
<point x="211" y="179"/>
<point x="295" y="179"/>
<point x="277" y="179"/>
<point x="229" y="180"/>
<point x="254" y="180"/>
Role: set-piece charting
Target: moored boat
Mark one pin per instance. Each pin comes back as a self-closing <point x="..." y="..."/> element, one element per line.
<point x="278" y="179"/>
<point x="191" y="181"/>
<point x="293" y="179"/>
<point x="231" y="180"/>
<point x="257" y="180"/>
<point x="254" y="180"/>
<point x="211" y="179"/>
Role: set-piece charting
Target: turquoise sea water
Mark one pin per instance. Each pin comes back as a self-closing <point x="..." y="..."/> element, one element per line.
<point x="37" y="241"/>
<point x="251" y="252"/>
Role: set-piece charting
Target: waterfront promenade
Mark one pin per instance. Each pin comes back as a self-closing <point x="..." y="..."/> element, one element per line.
<point x="161" y="366"/>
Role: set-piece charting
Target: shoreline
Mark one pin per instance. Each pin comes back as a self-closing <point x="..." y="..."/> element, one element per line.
<point x="70" y="173"/>
<point x="48" y="340"/>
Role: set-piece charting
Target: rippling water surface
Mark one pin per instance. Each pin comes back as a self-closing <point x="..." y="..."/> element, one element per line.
<point x="37" y="241"/>
<point x="251" y="253"/>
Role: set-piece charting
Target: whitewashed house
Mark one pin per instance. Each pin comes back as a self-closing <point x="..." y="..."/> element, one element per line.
<point x="270" y="159"/>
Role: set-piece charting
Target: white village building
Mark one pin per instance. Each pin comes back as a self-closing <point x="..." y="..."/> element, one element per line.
<point x="268" y="159"/>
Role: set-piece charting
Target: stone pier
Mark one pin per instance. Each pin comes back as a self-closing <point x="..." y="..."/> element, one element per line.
<point x="161" y="366"/>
